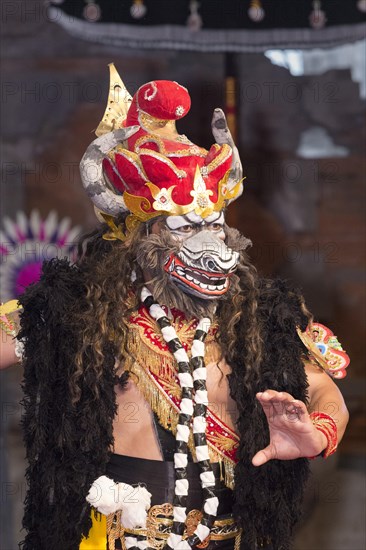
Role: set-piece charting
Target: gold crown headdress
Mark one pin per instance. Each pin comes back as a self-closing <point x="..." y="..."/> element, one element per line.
<point x="140" y="164"/>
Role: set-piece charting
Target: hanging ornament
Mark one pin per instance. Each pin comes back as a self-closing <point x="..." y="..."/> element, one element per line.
<point x="361" y="4"/>
<point x="256" y="12"/>
<point x="138" y="9"/>
<point x="317" y="18"/>
<point x="92" y="11"/>
<point x="194" y="21"/>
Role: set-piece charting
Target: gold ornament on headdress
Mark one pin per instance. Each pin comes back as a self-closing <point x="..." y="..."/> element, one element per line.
<point x="119" y="101"/>
<point x="116" y="231"/>
<point x="164" y="203"/>
<point x="161" y="202"/>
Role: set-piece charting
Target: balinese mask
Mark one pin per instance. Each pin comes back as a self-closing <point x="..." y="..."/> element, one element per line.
<point x="141" y="165"/>
<point x="204" y="263"/>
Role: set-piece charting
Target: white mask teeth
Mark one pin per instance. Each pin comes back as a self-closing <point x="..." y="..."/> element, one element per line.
<point x="180" y="271"/>
<point x="200" y="284"/>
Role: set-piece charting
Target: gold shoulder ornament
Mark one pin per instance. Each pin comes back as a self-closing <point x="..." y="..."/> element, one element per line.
<point x="325" y="349"/>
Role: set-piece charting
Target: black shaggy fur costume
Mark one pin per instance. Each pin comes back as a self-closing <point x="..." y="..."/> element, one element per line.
<point x="68" y="446"/>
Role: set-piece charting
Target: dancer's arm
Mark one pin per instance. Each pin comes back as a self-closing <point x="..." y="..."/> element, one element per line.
<point x="297" y="430"/>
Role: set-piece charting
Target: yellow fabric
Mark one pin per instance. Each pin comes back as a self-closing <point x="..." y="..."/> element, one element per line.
<point x="97" y="538"/>
<point x="9" y="307"/>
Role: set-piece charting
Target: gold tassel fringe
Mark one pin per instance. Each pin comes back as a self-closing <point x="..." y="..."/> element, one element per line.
<point x="168" y="417"/>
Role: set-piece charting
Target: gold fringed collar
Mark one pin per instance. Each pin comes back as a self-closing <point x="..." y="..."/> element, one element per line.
<point x="156" y="376"/>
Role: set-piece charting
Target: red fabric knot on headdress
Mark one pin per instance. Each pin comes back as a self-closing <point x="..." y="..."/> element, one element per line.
<point x="163" y="99"/>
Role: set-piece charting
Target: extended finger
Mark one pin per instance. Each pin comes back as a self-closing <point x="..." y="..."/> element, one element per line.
<point x="264" y="455"/>
<point x="274" y="394"/>
<point x="281" y="403"/>
<point x="295" y="408"/>
<point x="273" y="402"/>
<point x="271" y="406"/>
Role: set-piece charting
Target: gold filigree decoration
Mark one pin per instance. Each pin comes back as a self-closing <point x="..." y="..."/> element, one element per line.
<point x="222" y="442"/>
<point x="149" y="138"/>
<point x="114" y="529"/>
<point x="139" y="206"/>
<point x="163" y="197"/>
<point x="132" y="157"/>
<point x="159" y="522"/>
<point x="224" y="154"/>
<point x="164" y="159"/>
<point x="325" y="349"/>
<point x="116" y="231"/>
<point x="193" y="519"/>
<point x="10" y="307"/>
<point x="201" y="203"/>
<point x="156" y="126"/>
<point x="143" y="329"/>
<point x="119" y="101"/>
<point x="189" y="151"/>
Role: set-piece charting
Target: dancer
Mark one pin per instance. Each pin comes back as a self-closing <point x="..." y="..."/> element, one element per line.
<point x="173" y="398"/>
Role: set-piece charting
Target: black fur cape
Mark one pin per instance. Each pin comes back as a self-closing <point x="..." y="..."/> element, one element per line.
<point x="68" y="446"/>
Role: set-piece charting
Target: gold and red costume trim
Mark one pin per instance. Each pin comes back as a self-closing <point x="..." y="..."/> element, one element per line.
<point x="327" y="426"/>
<point x="325" y="349"/>
<point x="152" y="183"/>
<point x="156" y="170"/>
<point x="156" y="375"/>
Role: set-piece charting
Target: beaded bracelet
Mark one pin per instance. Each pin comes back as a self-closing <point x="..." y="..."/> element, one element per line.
<point x="325" y="424"/>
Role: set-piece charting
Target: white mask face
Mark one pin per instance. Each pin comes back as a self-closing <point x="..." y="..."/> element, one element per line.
<point x="204" y="264"/>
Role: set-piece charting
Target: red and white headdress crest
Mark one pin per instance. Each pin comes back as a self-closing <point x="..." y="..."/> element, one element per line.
<point x="140" y="164"/>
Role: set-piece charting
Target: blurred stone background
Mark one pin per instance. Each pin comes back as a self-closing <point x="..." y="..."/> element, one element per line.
<point x="305" y="216"/>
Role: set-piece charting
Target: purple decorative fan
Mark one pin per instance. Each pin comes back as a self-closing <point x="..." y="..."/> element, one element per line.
<point x="26" y="243"/>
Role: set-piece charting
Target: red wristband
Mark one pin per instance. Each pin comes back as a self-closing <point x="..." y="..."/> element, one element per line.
<point x="325" y="424"/>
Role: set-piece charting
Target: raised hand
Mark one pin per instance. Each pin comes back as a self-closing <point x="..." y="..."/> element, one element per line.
<point x="292" y="433"/>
